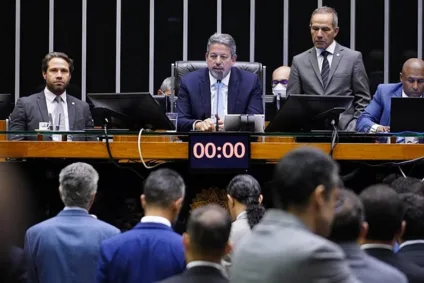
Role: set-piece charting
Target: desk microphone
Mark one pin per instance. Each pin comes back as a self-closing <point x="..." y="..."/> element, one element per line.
<point x="218" y="89"/>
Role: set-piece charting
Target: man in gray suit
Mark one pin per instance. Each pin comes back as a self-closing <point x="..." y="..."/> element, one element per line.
<point x="286" y="245"/>
<point x="330" y="68"/>
<point x="348" y="228"/>
<point x="53" y="104"/>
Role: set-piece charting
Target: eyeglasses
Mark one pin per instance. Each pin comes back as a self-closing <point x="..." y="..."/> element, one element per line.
<point x="276" y="82"/>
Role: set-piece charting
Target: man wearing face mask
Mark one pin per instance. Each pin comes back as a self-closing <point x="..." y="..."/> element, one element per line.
<point x="376" y="117"/>
<point x="280" y="79"/>
<point x="205" y="96"/>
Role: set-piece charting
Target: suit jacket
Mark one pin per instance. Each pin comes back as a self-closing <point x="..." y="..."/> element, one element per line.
<point x="347" y="77"/>
<point x="30" y="111"/>
<point x="413" y="253"/>
<point x="147" y="253"/>
<point x="368" y="269"/>
<point x="203" y="274"/>
<point x="378" y="111"/>
<point x="194" y="96"/>
<point x="281" y="249"/>
<point x="413" y="272"/>
<point x="65" y="248"/>
<point x="239" y="228"/>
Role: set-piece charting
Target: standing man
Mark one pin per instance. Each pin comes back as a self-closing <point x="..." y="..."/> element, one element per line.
<point x="52" y="104"/>
<point x="330" y="68"/>
<point x="217" y="90"/>
<point x="65" y="248"/>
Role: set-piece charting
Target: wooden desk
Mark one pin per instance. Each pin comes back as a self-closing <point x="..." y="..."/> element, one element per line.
<point x="179" y="150"/>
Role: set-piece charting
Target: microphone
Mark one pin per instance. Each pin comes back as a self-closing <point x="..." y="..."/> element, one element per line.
<point x="218" y="94"/>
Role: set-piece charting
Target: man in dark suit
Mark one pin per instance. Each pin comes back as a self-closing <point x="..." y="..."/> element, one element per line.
<point x="330" y="69"/>
<point x="65" y="248"/>
<point x="347" y="229"/>
<point x="205" y="96"/>
<point x="287" y="245"/>
<point x="384" y="214"/>
<point x="53" y="104"/>
<point x="205" y="243"/>
<point x="412" y="240"/>
<point x="151" y="251"/>
<point x="376" y="117"/>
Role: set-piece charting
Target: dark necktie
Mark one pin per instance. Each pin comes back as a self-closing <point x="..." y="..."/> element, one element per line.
<point x="325" y="70"/>
<point x="59" y="114"/>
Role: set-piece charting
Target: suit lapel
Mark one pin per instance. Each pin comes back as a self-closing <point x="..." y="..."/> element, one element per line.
<point x="233" y="91"/>
<point x="42" y="106"/>
<point x="205" y="93"/>
<point x="337" y="56"/>
<point x="71" y="111"/>
<point x="314" y="63"/>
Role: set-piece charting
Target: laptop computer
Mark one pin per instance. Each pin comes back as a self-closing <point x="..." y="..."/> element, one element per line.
<point x="407" y="115"/>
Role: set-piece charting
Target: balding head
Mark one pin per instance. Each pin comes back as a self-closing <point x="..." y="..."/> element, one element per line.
<point x="281" y="73"/>
<point x="412" y="77"/>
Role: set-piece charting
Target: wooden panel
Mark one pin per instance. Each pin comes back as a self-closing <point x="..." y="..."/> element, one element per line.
<point x="2" y="128"/>
<point x="179" y="150"/>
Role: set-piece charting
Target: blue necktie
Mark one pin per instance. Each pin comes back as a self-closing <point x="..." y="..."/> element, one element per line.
<point x="220" y="103"/>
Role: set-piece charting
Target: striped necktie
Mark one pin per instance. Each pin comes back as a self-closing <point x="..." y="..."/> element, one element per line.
<point x="325" y="70"/>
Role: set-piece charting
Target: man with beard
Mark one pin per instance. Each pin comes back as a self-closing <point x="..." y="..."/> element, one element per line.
<point x="53" y="104"/>
<point x="205" y="96"/>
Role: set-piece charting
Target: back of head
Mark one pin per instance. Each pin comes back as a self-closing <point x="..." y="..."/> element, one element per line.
<point x="414" y="216"/>
<point x="406" y="185"/>
<point x="299" y="173"/>
<point x="163" y="187"/>
<point x="348" y="218"/>
<point x="383" y="212"/>
<point x="209" y="229"/>
<point x="78" y="184"/>
<point x="246" y="190"/>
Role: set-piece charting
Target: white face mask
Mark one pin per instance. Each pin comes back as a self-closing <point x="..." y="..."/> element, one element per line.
<point x="279" y="90"/>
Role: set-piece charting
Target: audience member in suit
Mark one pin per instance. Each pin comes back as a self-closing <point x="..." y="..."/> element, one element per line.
<point x="65" y="248"/>
<point x="384" y="214"/>
<point x="205" y="243"/>
<point x="240" y="91"/>
<point x="376" y="117"/>
<point x="412" y="240"/>
<point x="347" y="229"/>
<point x="287" y="245"/>
<point x="30" y="111"/>
<point x="151" y="251"/>
<point x="330" y="69"/>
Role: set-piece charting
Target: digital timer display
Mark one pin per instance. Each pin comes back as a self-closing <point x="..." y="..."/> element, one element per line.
<point x="219" y="151"/>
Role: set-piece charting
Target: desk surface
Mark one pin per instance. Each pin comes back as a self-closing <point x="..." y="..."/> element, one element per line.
<point x="179" y="150"/>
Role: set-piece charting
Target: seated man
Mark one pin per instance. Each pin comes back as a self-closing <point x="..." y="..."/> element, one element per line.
<point x="376" y="117"/>
<point x="165" y="87"/>
<point x="217" y="90"/>
<point x="280" y="79"/>
<point x="52" y="104"/>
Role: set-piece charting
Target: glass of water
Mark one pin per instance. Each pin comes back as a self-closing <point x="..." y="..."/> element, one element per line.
<point x="173" y="117"/>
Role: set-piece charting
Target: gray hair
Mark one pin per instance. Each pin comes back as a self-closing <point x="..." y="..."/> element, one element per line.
<point x="327" y="10"/>
<point x="222" y="38"/>
<point x="78" y="183"/>
<point x="166" y="84"/>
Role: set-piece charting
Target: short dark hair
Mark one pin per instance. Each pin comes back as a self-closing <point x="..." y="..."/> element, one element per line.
<point x="348" y="217"/>
<point x="299" y="173"/>
<point x="162" y="187"/>
<point x="209" y="228"/>
<point x="51" y="55"/>
<point x="246" y="190"/>
<point x="407" y="185"/>
<point x="414" y="216"/>
<point x="383" y="212"/>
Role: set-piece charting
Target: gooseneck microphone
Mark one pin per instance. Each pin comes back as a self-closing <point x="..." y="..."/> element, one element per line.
<point x="218" y="97"/>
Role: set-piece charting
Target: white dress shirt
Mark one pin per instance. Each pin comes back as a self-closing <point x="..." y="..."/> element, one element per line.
<point x="320" y="58"/>
<point x="51" y="108"/>
<point x="206" y="263"/>
<point x="378" y="246"/>
<point x="156" y="219"/>
<point x="412" y="242"/>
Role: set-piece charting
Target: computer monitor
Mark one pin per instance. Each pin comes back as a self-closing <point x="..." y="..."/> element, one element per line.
<point x="406" y="115"/>
<point x="131" y="111"/>
<point x="6" y="105"/>
<point x="307" y="112"/>
<point x="241" y="122"/>
<point x="165" y="102"/>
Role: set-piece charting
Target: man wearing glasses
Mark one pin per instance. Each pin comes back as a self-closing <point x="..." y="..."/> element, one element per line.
<point x="330" y="68"/>
<point x="205" y="96"/>
<point x="280" y="79"/>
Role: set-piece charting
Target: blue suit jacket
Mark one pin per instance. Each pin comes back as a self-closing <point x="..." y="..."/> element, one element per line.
<point x="378" y="111"/>
<point x="194" y="96"/>
<point x="65" y="248"/>
<point x="147" y="253"/>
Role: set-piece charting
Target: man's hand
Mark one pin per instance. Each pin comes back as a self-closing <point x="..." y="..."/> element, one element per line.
<point x="221" y="125"/>
<point x="206" y="125"/>
<point x="382" y="129"/>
